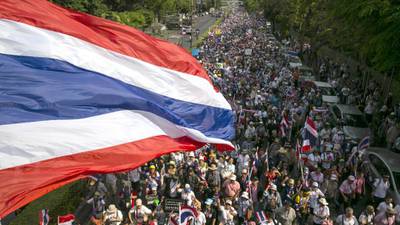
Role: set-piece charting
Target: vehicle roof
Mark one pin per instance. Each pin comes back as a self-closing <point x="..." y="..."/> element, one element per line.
<point x="349" y="109"/>
<point x="322" y="84"/>
<point x="392" y="159"/>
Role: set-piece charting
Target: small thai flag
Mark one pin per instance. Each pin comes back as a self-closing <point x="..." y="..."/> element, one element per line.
<point x="364" y="143"/>
<point x="44" y="217"/>
<point x="261" y="217"/>
<point x="66" y="220"/>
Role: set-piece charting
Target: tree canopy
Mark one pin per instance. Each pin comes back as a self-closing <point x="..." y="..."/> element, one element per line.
<point x="367" y="30"/>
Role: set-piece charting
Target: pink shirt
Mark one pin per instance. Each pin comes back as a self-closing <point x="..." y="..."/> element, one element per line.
<point x="347" y="188"/>
<point x="382" y="219"/>
<point x="360" y="185"/>
<point x="231" y="188"/>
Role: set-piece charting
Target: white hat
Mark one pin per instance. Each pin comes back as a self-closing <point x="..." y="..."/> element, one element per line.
<point x="232" y="177"/>
<point x="228" y="202"/>
<point x="333" y="176"/>
<point x="352" y="178"/>
<point x="138" y="202"/>
<point x="314" y="184"/>
<point x="112" y="208"/>
<point x="273" y="187"/>
<point x="191" y="154"/>
<point x="187" y="186"/>
<point x="245" y="195"/>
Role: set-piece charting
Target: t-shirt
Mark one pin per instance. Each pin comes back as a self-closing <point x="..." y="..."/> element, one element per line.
<point x="344" y="220"/>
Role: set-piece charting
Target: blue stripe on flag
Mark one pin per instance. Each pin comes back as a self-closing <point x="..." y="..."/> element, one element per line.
<point x="37" y="89"/>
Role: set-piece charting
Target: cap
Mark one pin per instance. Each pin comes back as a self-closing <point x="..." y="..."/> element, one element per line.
<point x="209" y="201"/>
<point x="351" y="178"/>
<point x="229" y="202"/>
<point x="191" y="154"/>
<point x="152" y="167"/>
<point x="315" y="184"/>
<point x="187" y="186"/>
<point x="273" y="187"/>
<point x="232" y="177"/>
<point x="290" y="181"/>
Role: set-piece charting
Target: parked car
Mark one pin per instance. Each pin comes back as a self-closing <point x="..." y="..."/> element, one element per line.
<point x="306" y="73"/>
<point x="294" y="61"/>
<point x="380" y="161"/>
<point x="186" y="30"/>
<point x="327" y="91"/>
<point x="355" y="126"/>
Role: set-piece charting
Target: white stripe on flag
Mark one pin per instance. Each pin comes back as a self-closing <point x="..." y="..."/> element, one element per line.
<point x="37" y="141"/>
<point x="17" y="38"/>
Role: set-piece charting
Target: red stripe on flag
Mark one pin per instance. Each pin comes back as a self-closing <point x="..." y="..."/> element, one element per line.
<point x="101" y="32"/>
<point x="66" y="218"/>
<point x="23" y="184"/>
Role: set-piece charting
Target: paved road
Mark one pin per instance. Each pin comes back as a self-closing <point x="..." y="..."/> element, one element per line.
<point x="202" y="23"/>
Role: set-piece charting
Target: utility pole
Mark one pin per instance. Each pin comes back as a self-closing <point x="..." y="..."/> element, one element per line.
<point x="191" y="24"/>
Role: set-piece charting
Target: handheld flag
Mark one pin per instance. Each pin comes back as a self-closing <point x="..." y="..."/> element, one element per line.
<point x="44" y="217"/>
<point x="261" y="217"/>
<point x="93" y="96"/>
<point x="186" y="213"/>
<point x="364" y="143"/>
<point x="66" y="220"/>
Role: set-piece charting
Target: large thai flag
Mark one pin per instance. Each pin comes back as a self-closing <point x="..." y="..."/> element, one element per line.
<point x="82" y="95"/>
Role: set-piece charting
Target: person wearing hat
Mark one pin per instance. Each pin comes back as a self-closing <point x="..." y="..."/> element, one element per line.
<point x="348" y="190"/>
<point x="271" y="199"/>
<point x="112" y="216"/>
<point x="315" y="195"/>
<point x="213" y="176"/>
<point x="139" y="213"/>
<point x="188" y="195"/>
<point x="244" y="203"/>
<point x="231" y="187"/>
<point x="210" y="212"/>
<point x="367" y="216"/>
<point x="386" y="218"/>
<point x="321" y="213"/>
<point x="388" y="203"/>
<point x="227" y="213"/>
<point x="348" y="218"/>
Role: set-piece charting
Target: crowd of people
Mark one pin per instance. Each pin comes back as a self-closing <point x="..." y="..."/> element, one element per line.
<point x="268" y="179"/>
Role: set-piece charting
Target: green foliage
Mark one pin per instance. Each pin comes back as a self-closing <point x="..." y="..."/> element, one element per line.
<point x="62" y="201"/>
<point x="131" y="18"/>
<point x="367" y="30"/>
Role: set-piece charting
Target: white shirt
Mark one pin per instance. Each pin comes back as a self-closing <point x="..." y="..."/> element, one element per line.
<point x="114" y="216"/>
<point x="201" y="219"/>
<point x="343" y="220"/>
<point x="320" y="214"/>
<point x="381" y="188"/>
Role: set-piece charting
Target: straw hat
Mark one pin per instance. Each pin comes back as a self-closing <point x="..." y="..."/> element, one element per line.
<point x="390" y="210"/>
<point x="112" y="208"/>
<point x="213" y="167"/>
<point x="245" y="195"/>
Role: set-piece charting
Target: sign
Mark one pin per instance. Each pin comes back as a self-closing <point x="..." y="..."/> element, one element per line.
<point x="248" y="51"/>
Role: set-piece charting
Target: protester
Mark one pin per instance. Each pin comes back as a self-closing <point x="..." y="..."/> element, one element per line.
<point x="279" y="173"/>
